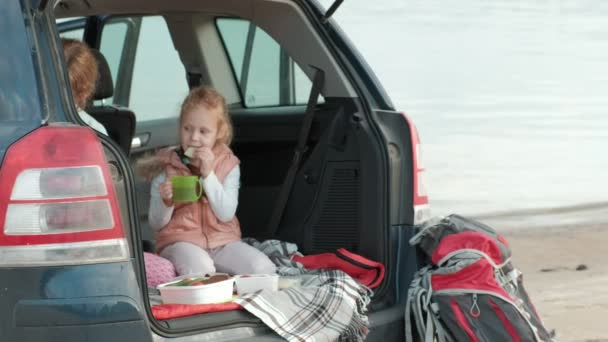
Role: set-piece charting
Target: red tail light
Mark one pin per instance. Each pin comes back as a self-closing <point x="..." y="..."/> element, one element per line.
<point x="422" y="210"/>
<point x="57" y="204"/>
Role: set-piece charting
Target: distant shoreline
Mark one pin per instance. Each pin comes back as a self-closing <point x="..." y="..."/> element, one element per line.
<point x="544" y="211"/>
<point x="593" y="215"/>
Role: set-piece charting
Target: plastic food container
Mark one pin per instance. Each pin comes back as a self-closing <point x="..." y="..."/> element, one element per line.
<point x="187" y="291"/>
<point x="255" y="282"/>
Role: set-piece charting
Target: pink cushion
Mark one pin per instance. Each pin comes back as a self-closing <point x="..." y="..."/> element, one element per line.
<point x="158" y="269"/>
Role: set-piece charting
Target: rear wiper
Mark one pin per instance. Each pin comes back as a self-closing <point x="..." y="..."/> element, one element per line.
<point x="332" y="9"/>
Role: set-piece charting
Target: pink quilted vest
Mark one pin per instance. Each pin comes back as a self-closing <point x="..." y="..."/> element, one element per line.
<point x="195" y="222"/>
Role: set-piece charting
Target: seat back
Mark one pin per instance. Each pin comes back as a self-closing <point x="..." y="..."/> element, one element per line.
<point x="118" y="121"/>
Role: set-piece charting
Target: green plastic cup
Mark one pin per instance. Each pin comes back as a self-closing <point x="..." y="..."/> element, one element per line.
<point x="187" y="188"/>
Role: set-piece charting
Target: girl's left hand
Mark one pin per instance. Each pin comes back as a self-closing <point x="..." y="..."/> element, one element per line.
<point x="206" y="157"/>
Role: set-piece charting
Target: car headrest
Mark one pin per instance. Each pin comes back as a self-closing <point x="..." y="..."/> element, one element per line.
<point x="104" y="87"/>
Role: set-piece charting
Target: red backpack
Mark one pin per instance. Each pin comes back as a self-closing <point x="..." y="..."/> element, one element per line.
<point x="469" y="290"/>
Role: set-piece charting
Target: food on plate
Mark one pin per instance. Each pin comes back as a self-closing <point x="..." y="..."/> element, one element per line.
<point x="201" y="280"/>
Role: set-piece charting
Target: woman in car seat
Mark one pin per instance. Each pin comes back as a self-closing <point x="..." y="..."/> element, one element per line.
<point x="82" y="69"/>
<point x="202" y="236"/>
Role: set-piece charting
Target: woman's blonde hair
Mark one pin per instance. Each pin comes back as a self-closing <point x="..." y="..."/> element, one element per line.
<point x="210" y="98"/>
<point x="82" y="69"/>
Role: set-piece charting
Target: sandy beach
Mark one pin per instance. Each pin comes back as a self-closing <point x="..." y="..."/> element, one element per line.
<point x="549" y="250"/>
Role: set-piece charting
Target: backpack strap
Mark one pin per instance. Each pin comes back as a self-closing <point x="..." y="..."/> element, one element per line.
<point x="423" y="312"/>
<point x="416" y="307"/>
<point x="441" y="334"/>
<point x="408" y="317"/>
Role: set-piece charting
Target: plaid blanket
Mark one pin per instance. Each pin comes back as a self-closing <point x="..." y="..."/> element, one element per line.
<point x="328" y="305"/>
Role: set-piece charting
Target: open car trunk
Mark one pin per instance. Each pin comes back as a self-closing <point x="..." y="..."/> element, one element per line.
<point x="340" y="197"/>
<point x="331" y="203"/>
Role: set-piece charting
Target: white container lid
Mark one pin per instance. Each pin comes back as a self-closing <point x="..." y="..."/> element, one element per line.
<point x="247" y="283"/>
<point x="218" y="292"/>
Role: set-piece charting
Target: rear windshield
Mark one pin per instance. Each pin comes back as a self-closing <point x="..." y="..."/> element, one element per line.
<point x="20" y="107"/>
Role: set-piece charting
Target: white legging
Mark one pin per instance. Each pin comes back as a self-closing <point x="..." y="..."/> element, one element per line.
<point x="234" y="258"/>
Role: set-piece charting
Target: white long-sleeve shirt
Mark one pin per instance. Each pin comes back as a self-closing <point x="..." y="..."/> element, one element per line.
<point x="223" y="198"/>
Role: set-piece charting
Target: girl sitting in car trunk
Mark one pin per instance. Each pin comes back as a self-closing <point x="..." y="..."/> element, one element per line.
<point x="202" y="236"/>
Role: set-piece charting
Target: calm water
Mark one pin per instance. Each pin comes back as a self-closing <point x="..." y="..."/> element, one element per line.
<point x="510" y="97"/>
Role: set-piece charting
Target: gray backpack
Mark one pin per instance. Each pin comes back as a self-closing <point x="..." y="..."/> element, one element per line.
<point x="469" y="290"/>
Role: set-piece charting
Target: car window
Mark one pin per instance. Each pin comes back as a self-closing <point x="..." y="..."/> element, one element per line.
<point x="112" y="45"/>
<point x="266" y="75"/>
<point x="159" y="77"/>
<point x="20" y="105"/>
<point x="73" y="34"/>
<point x="302" y="86"/>
<point x="150" y="80"/>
